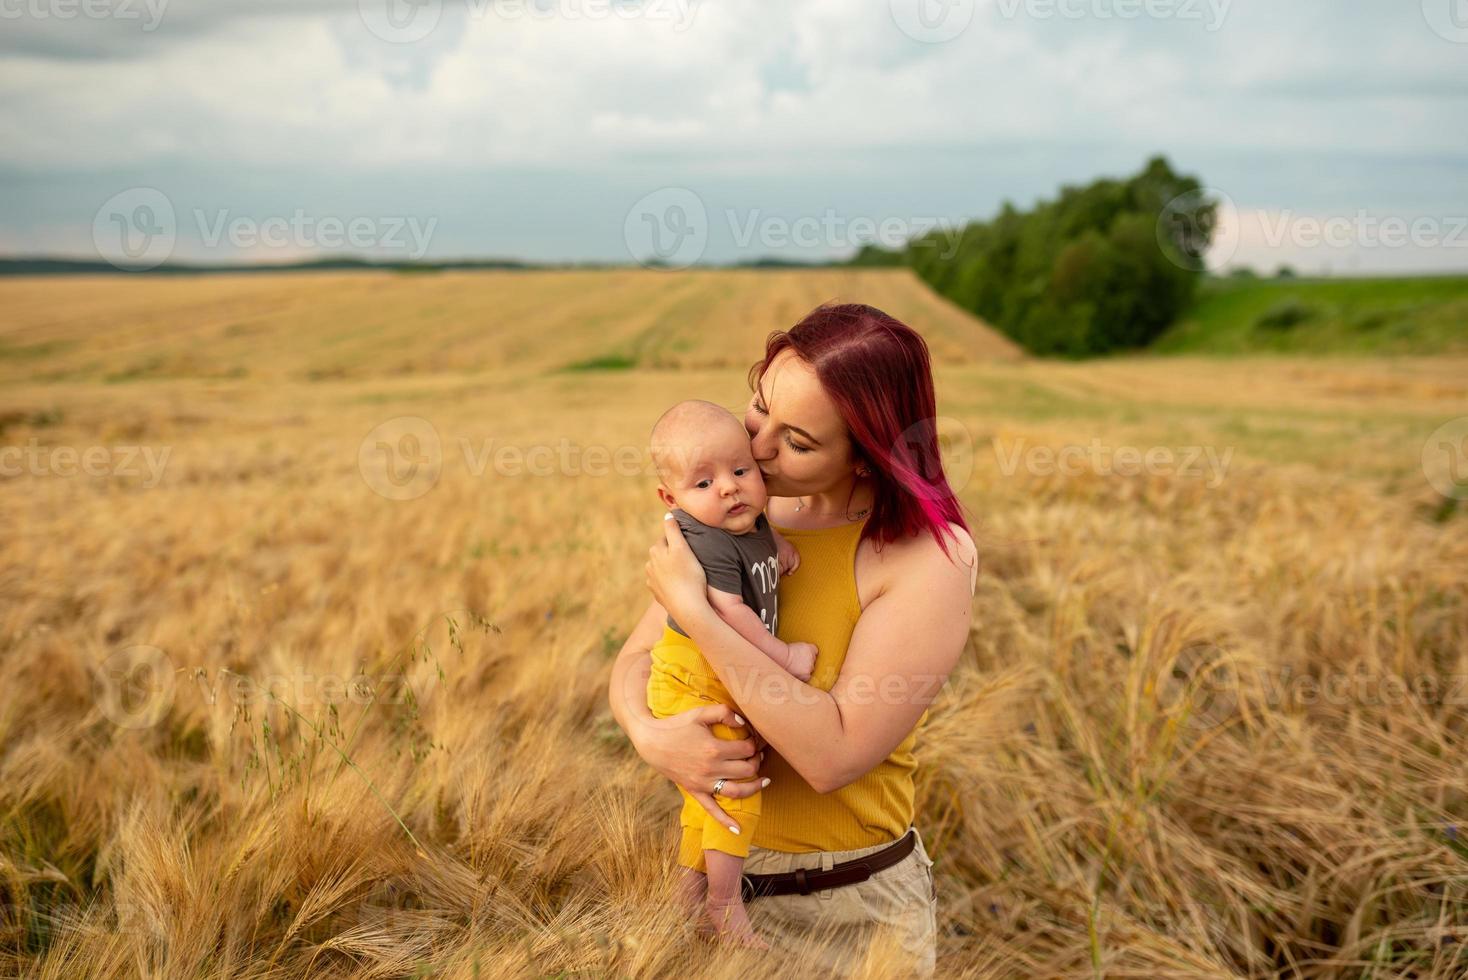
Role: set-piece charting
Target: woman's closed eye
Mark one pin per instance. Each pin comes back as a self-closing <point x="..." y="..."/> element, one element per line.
<point x="788" y="441"/>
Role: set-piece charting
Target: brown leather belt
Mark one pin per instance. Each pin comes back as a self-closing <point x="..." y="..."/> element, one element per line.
<point x="803" y="881"/>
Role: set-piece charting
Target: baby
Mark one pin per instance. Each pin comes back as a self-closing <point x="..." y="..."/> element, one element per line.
<point x="712" y="486"/>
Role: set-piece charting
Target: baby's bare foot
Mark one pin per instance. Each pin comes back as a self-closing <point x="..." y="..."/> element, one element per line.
<point x="692" y="890"/>
<point x="731" y="921"/>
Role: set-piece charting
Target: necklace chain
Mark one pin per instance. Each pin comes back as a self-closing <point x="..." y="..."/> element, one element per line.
<point x="800" y="505"/>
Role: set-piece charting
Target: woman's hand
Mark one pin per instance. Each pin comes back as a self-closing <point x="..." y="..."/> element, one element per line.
<point x="684" y="749"/>
<point x="675" y="577"/>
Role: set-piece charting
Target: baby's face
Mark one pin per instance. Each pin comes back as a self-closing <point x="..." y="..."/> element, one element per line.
<point x="717" y="482"/>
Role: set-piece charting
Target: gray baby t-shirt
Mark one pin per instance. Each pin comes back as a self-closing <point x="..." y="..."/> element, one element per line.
<point x="746" y="565"/>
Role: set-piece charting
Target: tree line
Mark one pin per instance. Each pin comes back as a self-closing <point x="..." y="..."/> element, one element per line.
<point x="1102" y="267"/>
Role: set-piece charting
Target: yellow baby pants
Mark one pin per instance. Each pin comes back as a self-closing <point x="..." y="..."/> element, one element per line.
<point x="682" y="679"/>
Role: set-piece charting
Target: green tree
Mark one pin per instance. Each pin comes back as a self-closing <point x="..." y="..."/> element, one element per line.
<point x="1102" y="267"/>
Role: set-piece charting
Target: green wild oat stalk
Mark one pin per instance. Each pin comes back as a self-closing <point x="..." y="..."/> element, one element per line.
<point x="300" y="766"/>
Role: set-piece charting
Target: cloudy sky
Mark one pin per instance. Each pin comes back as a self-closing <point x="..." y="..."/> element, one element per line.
<point x="1336" y="131"/>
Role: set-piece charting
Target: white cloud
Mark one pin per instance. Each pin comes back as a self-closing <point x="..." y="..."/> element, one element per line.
<point x="489" y="88"/>
<point x="730" y="91"/>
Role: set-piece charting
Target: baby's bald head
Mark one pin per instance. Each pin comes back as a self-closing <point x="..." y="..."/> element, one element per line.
<point x="689" y="431"/>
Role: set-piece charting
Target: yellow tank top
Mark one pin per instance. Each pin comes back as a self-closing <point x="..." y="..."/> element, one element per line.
<point x="819" y="604"/>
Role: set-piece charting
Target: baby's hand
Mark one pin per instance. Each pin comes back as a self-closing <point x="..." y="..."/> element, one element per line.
<point x="803" y="660"/>
<point x="789" y="558"/>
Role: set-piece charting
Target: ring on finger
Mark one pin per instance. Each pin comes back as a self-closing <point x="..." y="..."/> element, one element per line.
<point x="719" y="785"/>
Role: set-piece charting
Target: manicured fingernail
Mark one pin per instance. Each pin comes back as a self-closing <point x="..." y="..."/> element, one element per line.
<point x="738" y="720"/>
<point x="733" y="829"/>
<point x="668" y="516"/>
<point x="764" y="782"/>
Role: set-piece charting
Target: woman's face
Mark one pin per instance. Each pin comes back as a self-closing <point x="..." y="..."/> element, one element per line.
<point x="796" y="434"/>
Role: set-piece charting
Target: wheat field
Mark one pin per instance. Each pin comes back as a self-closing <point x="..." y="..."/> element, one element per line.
<point x="311" y="586"/>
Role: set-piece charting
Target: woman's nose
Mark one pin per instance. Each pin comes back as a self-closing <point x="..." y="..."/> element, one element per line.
<point x="754" y="448"/>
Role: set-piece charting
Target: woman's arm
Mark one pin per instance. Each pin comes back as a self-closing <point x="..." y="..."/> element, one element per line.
<point x="903" y="648"/>
<point x="627" y="691"/>
<point x="680" y="747"/>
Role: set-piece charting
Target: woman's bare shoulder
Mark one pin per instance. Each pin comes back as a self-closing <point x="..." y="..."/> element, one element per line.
<point x="923" y="547"/>
<point x="918" y="561"/>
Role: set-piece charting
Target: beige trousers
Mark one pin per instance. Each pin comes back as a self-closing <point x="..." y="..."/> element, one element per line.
<point x="891" y="917"/>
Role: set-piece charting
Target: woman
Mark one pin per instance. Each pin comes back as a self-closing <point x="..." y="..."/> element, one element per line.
<point x="841" y="419"/>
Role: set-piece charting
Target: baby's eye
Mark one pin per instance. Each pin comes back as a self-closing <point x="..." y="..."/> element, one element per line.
<point x="741" y="471"/>
<point x="703" y="484"/>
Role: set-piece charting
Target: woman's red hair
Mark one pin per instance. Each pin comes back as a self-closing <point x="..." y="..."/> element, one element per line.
<point x="877" y="371"/>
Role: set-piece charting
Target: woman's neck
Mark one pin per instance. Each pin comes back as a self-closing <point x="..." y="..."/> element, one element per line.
<point x="848" y="501"/>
